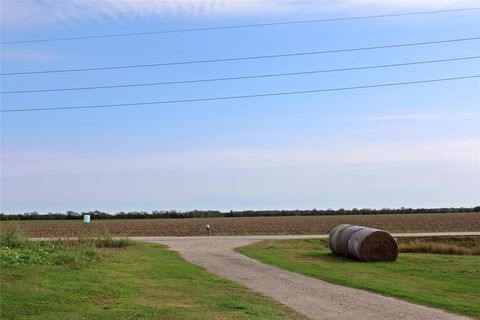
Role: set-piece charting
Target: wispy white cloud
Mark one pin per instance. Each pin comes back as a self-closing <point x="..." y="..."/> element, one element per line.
<point x="58" y="13"/>
<point x="418" y="116"/>
<point x="458" y="152"/>
<point x="461" y="151"/>
<point x="370" y="175"/>
<point x="28" y="55"/>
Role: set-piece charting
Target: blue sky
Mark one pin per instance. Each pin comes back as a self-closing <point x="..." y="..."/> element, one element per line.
<point x="412" y="146"/>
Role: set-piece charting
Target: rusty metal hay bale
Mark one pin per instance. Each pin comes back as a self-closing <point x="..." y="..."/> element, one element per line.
<point x="362" y="243"/>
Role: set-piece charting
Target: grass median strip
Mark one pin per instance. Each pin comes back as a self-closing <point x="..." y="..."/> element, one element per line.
<point x="139" y="281"/>
<point x="449" y="282"/>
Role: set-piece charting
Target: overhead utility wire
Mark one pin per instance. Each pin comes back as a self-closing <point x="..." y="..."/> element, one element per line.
<point x="238" y="78"/>
<point x="254" y="25"/>
<point x="241" y="58"/>
<point x="237" y="97"/>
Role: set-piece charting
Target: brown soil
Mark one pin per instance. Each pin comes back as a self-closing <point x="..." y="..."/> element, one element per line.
<point x="248" y="226"/>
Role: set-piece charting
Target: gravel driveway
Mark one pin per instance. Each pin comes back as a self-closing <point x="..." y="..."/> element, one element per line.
<point x="314" y="298"/>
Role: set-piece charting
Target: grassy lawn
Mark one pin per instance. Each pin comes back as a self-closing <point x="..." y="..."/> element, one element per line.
<point x="142" y="281"/>
<point x="449" y="282"/>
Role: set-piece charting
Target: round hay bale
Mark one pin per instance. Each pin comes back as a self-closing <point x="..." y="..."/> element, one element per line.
<point x="333" y="236"/>
<point x="341" y="246"/>
<point x="371" y="245"/>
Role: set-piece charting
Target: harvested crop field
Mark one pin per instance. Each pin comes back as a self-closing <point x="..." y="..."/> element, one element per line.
<point x="247" y="225"/>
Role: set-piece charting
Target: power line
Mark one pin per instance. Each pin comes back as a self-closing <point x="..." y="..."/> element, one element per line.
<point x="237" y="78"/>
<point x="241" y="58"/>
<point x="255" y="25"/>
<point x="238" y="97"/>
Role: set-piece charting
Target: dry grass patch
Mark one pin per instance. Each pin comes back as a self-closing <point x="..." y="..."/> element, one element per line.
<point x="441" y="245"/>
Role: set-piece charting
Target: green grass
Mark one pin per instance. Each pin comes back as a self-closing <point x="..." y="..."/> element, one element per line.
<point x="141" y="281"/>
<point x="18" y="251"/>
<point x="448" y="282"/>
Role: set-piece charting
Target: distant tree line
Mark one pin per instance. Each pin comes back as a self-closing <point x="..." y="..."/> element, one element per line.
<point x="71" y="215"/>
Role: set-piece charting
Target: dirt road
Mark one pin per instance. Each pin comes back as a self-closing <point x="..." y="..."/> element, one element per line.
<point x="314" y="298"/>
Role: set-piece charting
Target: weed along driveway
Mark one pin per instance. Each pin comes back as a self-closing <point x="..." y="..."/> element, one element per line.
<point x="314" y="298"/>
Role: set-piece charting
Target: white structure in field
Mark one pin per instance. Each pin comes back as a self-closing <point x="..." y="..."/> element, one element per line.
<point x="86" y="218"/>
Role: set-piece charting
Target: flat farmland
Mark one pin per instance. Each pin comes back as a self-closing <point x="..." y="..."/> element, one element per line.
<point x="246" y="225"/>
